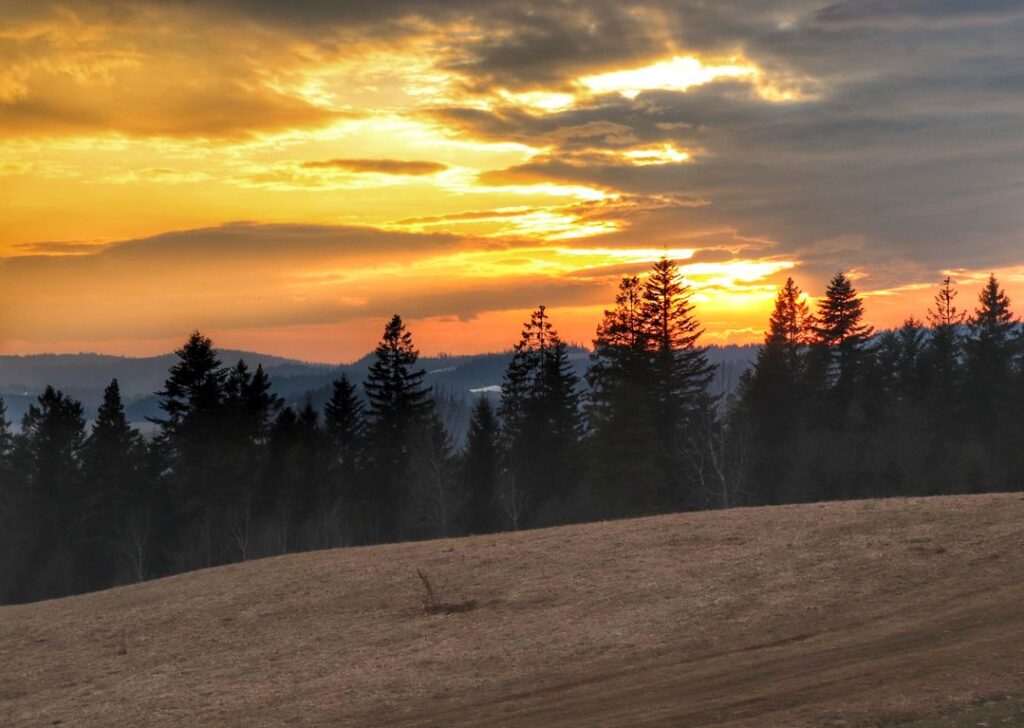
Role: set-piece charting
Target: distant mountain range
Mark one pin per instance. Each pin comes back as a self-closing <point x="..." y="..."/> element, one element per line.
<point x="84" y="376"/>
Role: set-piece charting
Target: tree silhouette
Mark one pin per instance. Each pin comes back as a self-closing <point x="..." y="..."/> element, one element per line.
<point x="192" y="441"/>
<point x="398" y="400"/>
<point x="680" y="372"/>
<point x="113" y="471"/>
<point x="839" y="327"/>
<point x="480" y="465"/>
<point x="541" y="424"/>
<point x="772" y="393"/>
<point x="51" y="440"/>
<point x="623" y="467"/>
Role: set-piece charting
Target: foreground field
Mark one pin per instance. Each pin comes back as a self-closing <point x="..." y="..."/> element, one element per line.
<point x="873" y="613"/>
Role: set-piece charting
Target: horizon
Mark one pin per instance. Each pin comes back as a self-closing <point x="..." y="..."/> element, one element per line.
<point x="327" y="166"/>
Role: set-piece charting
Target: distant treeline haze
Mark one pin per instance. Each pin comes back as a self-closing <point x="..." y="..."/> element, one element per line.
<point x="829" y="410"/>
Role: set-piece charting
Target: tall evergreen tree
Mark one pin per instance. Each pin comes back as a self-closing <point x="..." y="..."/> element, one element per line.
<point x="840" y="330"/>
<point x="991" y="349"/>
<point x="480" y="464"/>
<point x="680" y="371"/>
<point x="193" y="440"/>
<point x="772" y="393"/>
<point x="623" y="467"/>
<point x="943" y="412"/>
<point x="398" y="399"/>
<point x="51" y="440"/>
<point x="345" y="424"/>
<point x="113" y="470"/>
<point x="541" y="426"/>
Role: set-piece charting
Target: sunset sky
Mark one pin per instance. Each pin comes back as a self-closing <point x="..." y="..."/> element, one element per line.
<point x="286" y="179"/>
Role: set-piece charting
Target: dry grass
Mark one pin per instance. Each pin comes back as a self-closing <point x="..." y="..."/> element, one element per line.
<point x="873" y="613"/>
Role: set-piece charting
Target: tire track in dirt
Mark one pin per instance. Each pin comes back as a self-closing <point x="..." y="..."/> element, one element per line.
<point x="790" y="681"/>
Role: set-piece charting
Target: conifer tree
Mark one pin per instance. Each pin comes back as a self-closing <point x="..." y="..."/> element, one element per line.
<point x="113" y="466"/>
<point x="771" y="394"/>
<point x="840" y="330"/>
<point x="991" y="349"/>
<point x="541" y="423"/>
<point x="344" y="423"/>
<point x="945" y="348"/>
<point x="251" y="405"/>
<point x="480" y="465"/>
<point x="624" y="471"/>
<point x="911" y="362"/>
<point x="398" y="399"/>
<point x="192" y="440"/>
<point x="51" y="440"/>
<point x="680" y="371"/>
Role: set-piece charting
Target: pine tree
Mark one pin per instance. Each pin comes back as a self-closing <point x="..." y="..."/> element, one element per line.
<point x="771" y="395"/>
<point x="251" y="405"/>
<point x="623" y="468"/>
<point x="51" y="440"/>
<point x="945" y="349"/>
<point x="480" y="466"/>
<point x="541" y="425"/>
<point x="196" y="444"/>
<point x="345" y="423"/>
<point x="840" y="331"/>
<point x="680" y="371"/>
<point x="113" y="461"/>
<point x="991" y="349"/>
<point x="944" y="312"/>
<point x="398" y="400"/>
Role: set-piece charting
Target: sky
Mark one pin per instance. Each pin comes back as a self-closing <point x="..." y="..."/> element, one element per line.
<point x="285" y="176"/>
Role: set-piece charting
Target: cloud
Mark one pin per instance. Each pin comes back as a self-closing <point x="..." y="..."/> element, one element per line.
<point x="247" y="275"/>
<point x="379" y="166"/>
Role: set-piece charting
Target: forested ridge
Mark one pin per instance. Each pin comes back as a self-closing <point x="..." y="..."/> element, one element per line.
<point x="830" y="410"/>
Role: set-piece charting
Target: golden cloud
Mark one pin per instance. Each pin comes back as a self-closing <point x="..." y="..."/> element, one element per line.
<point x="380" y="166"/>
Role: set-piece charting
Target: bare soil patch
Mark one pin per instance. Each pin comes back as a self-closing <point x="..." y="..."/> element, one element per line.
<point x="905" y="612"/>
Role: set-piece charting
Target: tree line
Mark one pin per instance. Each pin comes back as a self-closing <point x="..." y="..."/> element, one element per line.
<point x="828" y="410"/>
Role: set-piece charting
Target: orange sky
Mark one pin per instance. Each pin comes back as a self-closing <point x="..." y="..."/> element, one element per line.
<point x="286" y="183"/>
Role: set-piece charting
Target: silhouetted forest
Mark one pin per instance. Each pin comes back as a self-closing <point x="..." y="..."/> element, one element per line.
<point x="829" y="410"/>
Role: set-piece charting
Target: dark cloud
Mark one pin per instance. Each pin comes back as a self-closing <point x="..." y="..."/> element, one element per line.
<point x="380" y="166"/>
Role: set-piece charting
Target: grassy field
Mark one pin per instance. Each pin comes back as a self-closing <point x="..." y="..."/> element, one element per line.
<point x="873" y="613"/>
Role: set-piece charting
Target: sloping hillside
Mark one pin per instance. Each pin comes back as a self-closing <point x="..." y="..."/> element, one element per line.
<point x="871" y="613"/>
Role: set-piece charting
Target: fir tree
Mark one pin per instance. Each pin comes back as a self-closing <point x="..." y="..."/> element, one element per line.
<point x="344" y="423"/>
<point x="541" y="423"/>
<point x="193" y="440"/>
<point x="945" y="348"/>
<point x="622" y="449"/>
<point x="113" y="461"/>
<point x="840" y="330"/>
<point x="480" y="465"/>
<point x="680" y="371"/>
<point x="51" y="441"/>
<point x="771" y="394"/>
<point x="991" y="348"/>
<point x="398" y="400"/>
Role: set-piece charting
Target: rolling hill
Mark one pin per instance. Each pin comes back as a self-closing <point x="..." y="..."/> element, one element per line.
<point x="869" y="613"/>
<point x="84" y="376"/>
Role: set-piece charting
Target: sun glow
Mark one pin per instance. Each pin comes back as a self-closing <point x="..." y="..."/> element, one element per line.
<point x="675" y="74"/>
<point x="462" y="194"/>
